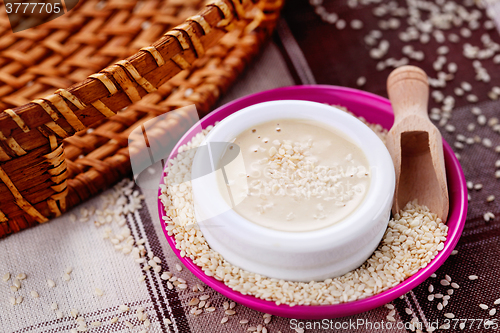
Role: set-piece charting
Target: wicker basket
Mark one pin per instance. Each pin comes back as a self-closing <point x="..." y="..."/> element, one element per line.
<point x="61" y="149"/>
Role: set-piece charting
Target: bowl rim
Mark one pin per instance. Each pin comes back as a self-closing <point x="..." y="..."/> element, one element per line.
<point x="339" y="96"/>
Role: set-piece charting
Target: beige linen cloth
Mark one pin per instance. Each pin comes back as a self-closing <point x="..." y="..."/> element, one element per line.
<point x="46" y="251"/>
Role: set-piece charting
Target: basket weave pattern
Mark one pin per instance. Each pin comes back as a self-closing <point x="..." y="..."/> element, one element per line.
<point x="60" y="148"/>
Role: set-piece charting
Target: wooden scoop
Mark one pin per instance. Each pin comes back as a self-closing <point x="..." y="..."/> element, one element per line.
<point x="415" y="144"/>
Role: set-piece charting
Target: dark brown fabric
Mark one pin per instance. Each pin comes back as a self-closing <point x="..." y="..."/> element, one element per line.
<point x="339" y="57"/>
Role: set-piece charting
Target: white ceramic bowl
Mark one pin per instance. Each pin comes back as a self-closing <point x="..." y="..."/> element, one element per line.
<point x="296" y="256"/>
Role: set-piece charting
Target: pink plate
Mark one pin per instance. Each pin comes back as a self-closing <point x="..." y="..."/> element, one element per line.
<point x="374" y="109"/>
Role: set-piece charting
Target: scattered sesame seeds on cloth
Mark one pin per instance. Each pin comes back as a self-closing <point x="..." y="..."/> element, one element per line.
<point x="354" y="43"/>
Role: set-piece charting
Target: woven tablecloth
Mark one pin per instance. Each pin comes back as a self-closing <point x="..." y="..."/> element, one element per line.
<point x="309" y="47"/>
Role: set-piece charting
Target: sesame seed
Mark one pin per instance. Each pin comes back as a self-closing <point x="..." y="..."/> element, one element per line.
<point x="408" y="311"/>
<point x="483" y="306"/>
<point x="356" y="24"/>
<point x="481" y="120"/>
<point x="449" y="315"/>
<point x="487" y="143"/>
<point x="68" y="270"/>
<point x="430" y="297"/>
<point x="232" y="305"/>
<point x="433" y="275"/>
<point x="466" y="86"/>
<point x="440" y="306"/>
<point x="128" y="324"/>
<point x="442" y="50"/>
<point x="472" y="98"/>
<point x="74" y="313"/>
<point x="51" y="283"/>
<point x="21" y="276"/>
<point x="12" y="300"/>
<point x="34" y="294"/>
<point x="445" y="283"/>
<point x="54" y="306"/>
<point x="178" y="267"/>
<point x="244" y="321"/>
<point x="141" y="278"/>
<point x="96" y="323"/>
<point x="361" y="81"/>
<point x="224" y="320"/>
<point x="488" y="216"/>
<point x="194" y="301"/>
<point x="230" y="312"/>
<point x="6" y="277"/>
<point x="113" y="320"/>
<point x="123" y="308"/>
<point x="454" y="252"/>
<point x="493" y="312"/>
<point x="98" y="292"/>
<point x="59" y="314"/>
<point x="210" y="309"/>
<point x="455" y="285"/>
<point x="449" y="128"/>
<point x="66" y="277"/>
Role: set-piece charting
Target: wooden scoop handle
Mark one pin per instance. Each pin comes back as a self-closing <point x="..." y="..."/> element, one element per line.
<point x="408" y="90"/>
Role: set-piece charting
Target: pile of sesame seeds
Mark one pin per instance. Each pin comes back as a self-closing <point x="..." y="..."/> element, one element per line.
<point x="413" y="238"/>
